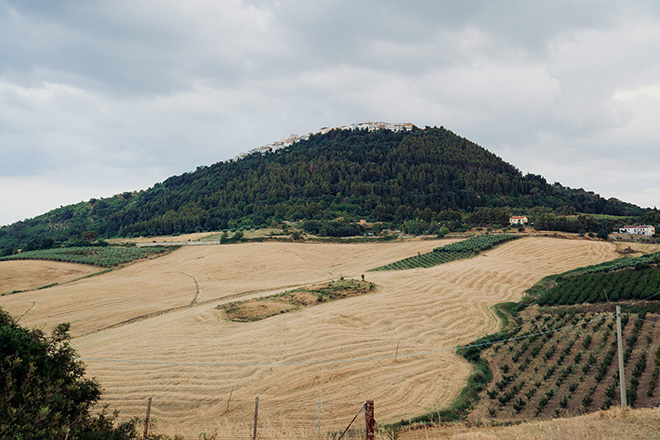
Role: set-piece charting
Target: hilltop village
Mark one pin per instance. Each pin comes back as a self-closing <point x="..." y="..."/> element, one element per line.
<point x="371" y="126"/>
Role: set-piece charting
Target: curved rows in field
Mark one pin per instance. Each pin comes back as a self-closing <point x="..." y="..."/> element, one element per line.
<point x="168" y="283"/>
<point x="419" y="310"/>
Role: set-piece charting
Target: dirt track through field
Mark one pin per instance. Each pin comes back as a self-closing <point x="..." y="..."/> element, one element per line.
<point x="294" y="360"/>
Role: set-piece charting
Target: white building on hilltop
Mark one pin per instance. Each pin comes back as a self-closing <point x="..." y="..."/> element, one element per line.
<point x="371" y="126"/>
<point x="638" y="230"/>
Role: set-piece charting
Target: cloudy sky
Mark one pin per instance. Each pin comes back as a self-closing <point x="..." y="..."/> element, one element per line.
<point x="100" y="97"/>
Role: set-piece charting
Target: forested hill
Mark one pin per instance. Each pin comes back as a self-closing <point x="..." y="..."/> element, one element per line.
<point x="431" y="175"/>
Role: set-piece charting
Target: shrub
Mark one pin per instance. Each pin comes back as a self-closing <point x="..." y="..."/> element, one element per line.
<point x="43" y="391"/>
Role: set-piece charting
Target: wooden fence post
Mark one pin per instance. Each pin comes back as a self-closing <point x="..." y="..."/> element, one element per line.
<point x="146" y="420"/>
<point x="622" y="377"/>
<point x="369" y="419"/>
<point x="256" y="413"/>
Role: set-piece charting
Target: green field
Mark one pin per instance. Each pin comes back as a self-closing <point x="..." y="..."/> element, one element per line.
<point x="451" y="252"/>
<point x="104" y="256"/>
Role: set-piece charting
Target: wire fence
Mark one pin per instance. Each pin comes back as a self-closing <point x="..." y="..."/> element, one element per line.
<point x="235" y="419"/>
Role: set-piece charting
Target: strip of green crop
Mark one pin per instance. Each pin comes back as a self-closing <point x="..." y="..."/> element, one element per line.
<point x="460" y="250"/>
<point x="104" y="256"/>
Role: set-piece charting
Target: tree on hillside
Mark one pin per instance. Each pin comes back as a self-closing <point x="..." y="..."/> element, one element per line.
<point x="43" y="391"/>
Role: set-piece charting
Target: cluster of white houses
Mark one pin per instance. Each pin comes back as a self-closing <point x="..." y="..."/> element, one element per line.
<point x="630" y="230"/>
<point x="638" y="230"/>
<point x="371" y="126"/>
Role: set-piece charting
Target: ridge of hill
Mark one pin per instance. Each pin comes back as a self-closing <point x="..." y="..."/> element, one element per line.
<point x="428" y="176"/>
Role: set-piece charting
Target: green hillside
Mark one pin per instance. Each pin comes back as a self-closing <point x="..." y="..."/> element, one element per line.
<point x="423" y="177"/>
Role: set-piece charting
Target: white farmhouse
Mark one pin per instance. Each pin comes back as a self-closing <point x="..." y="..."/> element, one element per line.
<point x="638" y="230"/>
<point x="518" y="220"/>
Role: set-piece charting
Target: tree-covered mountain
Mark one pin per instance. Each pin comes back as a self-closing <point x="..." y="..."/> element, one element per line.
<point x="430" y="176"/>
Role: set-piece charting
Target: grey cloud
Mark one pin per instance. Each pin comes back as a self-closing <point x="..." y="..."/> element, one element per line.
<point x="169" y="85"/>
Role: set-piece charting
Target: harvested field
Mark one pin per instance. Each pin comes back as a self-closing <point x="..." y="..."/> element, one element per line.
<point x="293" y="361"/>
<point x="32" y="274"/>
<point x="199" y="275"/>
<point x="164" y="310"/>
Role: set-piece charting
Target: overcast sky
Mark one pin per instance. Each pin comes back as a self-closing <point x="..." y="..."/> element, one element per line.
<point x="101" y="97"/>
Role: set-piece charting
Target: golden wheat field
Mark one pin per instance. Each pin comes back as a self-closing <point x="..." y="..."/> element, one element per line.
<point x="151" y="329"/>
<point x="31" y="275"/>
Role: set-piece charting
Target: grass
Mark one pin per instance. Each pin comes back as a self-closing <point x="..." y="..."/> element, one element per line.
<point x="291" y="300"/>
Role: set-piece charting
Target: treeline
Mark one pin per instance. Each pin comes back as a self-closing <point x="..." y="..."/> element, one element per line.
<point x="426" y="176"/>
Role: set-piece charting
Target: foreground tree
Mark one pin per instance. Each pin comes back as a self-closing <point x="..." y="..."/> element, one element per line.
<point x="43" y="391"/>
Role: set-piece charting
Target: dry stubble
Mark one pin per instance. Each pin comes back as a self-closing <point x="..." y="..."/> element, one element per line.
<point x="294" y="360"/>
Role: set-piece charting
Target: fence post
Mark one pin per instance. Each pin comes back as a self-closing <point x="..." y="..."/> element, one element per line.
<point x="146" y="419"/>
<point x="369" y="419"/>
<point x="622" y="377"/>
<point x="256" y="413"/>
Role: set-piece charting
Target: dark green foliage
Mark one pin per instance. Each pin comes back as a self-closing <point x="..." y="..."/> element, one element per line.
<point x="430" y="175"/>
<point x="623" y="279"/>
<point x="604" y="365"/>
<point x="476" y="244"/>
<point x="43" y="391"/>
<point x="451" y="252"/>
<point x="654" y="376"/>
<point x="105" y="256"/>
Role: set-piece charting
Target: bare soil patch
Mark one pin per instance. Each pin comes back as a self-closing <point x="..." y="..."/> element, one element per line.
<point x="256" y="309"/>
<point x="265" y="307"/>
